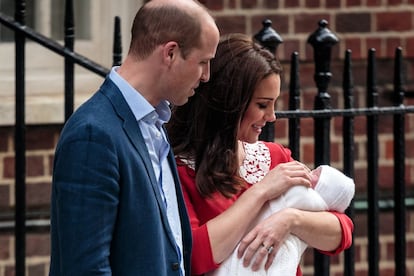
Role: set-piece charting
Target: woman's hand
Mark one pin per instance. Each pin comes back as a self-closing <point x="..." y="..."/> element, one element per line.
<point x="283" y="177"/>
<point x="320" y="230"/>
<point x="263" y="241"/>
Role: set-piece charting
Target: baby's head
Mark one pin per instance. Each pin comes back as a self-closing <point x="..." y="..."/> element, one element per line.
<point x="336" y="188"/>
<point x="315" y="176"/>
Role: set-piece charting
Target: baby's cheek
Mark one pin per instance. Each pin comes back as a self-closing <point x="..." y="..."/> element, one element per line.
<point x="314" y="180"/>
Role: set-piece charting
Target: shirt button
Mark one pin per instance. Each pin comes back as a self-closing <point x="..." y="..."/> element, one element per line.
<point x="175" y="266"/>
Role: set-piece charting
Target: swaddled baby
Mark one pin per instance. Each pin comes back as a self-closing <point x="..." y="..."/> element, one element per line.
<point x="332" y="190"/>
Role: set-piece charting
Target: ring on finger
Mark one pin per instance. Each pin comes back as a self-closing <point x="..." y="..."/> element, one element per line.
<point x="268" y="249"/>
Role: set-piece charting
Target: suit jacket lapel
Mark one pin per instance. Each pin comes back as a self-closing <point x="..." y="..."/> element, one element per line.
<point x="133" y="131"/>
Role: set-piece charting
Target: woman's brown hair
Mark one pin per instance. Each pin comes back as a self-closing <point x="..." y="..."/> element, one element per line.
<point x="205" y="129"/>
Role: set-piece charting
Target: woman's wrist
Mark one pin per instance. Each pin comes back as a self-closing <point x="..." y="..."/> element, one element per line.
<point x="292" y="217"/>
<point x="259" y="193"/>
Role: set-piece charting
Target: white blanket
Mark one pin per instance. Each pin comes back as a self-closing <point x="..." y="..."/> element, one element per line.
<point x="333" y="191"/>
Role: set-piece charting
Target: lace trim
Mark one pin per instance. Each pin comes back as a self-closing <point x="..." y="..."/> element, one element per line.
<point x="256" y="163"/>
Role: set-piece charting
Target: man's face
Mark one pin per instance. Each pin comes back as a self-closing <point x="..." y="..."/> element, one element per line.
<point x="186" y="74"/>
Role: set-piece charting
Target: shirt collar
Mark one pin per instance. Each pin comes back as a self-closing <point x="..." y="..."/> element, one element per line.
<point x="139" y="105"/>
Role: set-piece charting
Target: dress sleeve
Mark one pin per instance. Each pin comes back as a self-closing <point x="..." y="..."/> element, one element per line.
<point x="202" y="257"/>
<point x="347" y="228"/>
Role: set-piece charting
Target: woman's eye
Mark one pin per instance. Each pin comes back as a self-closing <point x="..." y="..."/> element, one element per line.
<point x="262" y="106"/>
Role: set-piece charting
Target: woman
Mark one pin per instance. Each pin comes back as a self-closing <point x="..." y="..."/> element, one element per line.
<point x="215" y="139"/>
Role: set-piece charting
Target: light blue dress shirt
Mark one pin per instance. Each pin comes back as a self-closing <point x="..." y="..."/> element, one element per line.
<point x="150" y="121"/>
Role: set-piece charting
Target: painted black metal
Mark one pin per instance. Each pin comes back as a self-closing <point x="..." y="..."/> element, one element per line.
<point x="399" y="169"/>
<point x="269" y="39"/>
<point x="117" y="45"/>
<point x="294" y="104"/>
<point x="20" y="143"/>
<point x="53" y="46"/>
<point x="372" y="166"/>
<point x="69" y="30"/>
<point x="348" y="151"/>
<point x="322" y="41"/>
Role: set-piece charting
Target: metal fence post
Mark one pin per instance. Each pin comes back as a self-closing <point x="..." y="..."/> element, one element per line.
<point x="269" y="39"/>
<point x="322" y="41"/>
<point x="20" y="144"/>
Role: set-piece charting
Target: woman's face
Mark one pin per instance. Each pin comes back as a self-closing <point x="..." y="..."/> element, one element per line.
<point x="261" y="109"/>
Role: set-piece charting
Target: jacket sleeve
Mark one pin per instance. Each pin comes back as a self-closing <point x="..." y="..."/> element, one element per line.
<point x="84" y="203"/>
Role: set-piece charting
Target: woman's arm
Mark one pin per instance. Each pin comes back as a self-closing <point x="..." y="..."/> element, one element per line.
<point x="325" y="231"/>
<point x="225" y="230"/>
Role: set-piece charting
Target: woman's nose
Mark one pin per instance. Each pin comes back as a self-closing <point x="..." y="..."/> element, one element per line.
<point x="271" y="116"/>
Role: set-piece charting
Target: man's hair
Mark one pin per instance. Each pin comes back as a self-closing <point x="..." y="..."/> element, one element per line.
<point x="157" y="24"/>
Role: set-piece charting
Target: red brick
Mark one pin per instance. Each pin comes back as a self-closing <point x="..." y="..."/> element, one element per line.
<point x="335" y="150"/>
<point x="360" y="178"/>
<point x="37" y="245"/>
<point x="389" y="149"/>
<point x="249" y="4"/>
<point x="352" y="3"/>
<point x="308" y="23"/>
<point x="38" y="194"/>
<point x="271" y="4"/>
<point x="354" y="44"/>
<point x="353" y="23"/>
<point x="4" y="196"/>
<point x="213" y="5"/>
<point x="307" y="152"/>
<point x="281" y="128"/>
<point x="37" y="269"/>
<point x="409" y="146"/>
<point x="394" y="2"/>
<point x="9" y="270"/>
<point x="372" y="3"/>
<point x="5" y="242"/>
<point x="392" y="44"/>
<point x="34" y="166"/>
<point x="312" y="3"/>
<point x="409" y="47"/>
<point x="41" y="138"/>
<point x="394" y="21"/>
<point x="232" y="4"/>
<point x="386" y="177"/>
<point x="375" y="43"/>
<point x="280" y="23"/>
<point x="289" y="47"/>
<point x="292" y="3"/>
<point x="410" y="249"/>
<point x="4" y="138"/>
<point x="231" y="24"/>
<point x="8" y="170"/>
<point x="333" y="4"/>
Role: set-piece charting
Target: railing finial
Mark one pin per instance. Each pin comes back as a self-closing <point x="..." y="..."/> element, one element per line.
<point x="268" y="37"/>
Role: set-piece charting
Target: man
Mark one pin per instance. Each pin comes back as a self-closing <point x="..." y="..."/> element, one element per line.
<point x="117" y="206"/>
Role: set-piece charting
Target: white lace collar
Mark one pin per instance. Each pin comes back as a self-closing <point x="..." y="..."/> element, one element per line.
<point x="256" y="164"/>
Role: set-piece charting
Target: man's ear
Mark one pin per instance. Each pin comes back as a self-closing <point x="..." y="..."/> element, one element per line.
<point x="170" y="51"/>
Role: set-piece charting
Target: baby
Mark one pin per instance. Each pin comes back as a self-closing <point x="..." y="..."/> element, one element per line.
<point x="331" y="190"/>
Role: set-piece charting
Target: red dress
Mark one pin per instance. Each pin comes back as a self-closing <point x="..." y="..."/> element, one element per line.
<point x="201" y="210"/>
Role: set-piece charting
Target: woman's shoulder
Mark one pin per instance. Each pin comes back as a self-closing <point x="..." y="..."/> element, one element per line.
<point x="278" y="152"/>
<point x="276" y="148"/>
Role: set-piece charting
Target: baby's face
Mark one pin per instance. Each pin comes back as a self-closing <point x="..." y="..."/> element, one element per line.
<point x="315" y="176"/>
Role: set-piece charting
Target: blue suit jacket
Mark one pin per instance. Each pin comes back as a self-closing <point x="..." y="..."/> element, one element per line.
<point x="107" y="214"/>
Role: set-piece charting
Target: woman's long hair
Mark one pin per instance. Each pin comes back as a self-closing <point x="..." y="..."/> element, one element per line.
<point x="204" y="131"/>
